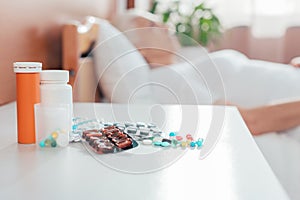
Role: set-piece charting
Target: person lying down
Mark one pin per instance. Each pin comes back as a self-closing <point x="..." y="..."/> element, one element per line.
<point x="265" y="92"/>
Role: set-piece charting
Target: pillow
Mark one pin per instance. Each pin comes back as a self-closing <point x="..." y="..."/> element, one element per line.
<point x="188" y="82"/>
<point x="180" y="86"/>
<point x="122" y="72"/>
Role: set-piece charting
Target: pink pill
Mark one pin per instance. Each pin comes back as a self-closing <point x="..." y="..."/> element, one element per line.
<point x="178" y="137"/>
<point x="188" y="136"/>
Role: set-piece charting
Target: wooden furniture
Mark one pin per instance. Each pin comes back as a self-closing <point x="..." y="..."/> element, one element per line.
<point x="78" y="40"/>
<point x="235" y="169"/>
<point x="31" y="31"/>
<point x="130" y="4"/>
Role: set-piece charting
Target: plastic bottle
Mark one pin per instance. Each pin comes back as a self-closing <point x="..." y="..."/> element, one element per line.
<point x="56" y="91"/>
<point x="28" y="94"/>
<point x="54" y="88"/>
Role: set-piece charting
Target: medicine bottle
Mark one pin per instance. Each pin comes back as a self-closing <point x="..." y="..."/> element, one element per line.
<point x="54" y="87"/>
<point x="55" y="90"/>
<point x="28" y="94"/>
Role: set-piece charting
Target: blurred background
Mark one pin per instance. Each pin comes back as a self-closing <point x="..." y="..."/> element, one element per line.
<point x="32" y="30"/>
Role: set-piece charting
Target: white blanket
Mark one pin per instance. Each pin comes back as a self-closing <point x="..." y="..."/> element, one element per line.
<point x="246" y="82"/>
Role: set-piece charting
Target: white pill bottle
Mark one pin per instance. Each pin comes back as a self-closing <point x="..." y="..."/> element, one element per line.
<point x="55" y="91"/>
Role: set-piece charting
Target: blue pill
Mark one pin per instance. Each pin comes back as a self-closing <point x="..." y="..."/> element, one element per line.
<point x="172" y="134"/>
<point x="74" y="127"/>
<point x="165" y="144"/>
<point x="42" y="144"/>
<point x="53" y="143"/>
<point x="157" y="143"/>
<point x="192" y="144"/>
<point x="199" y="142"/>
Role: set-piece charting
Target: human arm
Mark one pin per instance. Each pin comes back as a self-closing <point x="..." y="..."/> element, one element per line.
<point x="272" y="118"/>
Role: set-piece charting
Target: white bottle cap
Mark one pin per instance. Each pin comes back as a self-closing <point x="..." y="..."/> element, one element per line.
<point x="27" y="67"/>
<point x="55" y="75"/>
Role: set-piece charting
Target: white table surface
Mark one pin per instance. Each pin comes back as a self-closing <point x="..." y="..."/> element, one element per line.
<point x="235" y="168"/>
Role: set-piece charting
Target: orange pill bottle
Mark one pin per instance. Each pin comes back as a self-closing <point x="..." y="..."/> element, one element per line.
<point x="28" y="94"/>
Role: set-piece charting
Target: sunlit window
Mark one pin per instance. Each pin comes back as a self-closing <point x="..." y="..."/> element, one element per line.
<point x="268" y="18"/>
<point x="272" y="7"/>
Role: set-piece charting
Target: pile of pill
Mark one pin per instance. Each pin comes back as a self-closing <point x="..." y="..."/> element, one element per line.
<point x="174" y="141"/>
<point x="109" y="139"/>
<point x="144" y="133"/>
<point x="149" y="134"/>
<point x="56" y="138"/>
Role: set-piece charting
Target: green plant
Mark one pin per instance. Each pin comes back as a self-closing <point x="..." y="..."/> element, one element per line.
<point x="199" y="22"/>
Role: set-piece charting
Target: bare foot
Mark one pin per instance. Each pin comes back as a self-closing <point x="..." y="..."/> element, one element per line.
<point x="295" y="62"/>
<point x="249" y="116"/>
